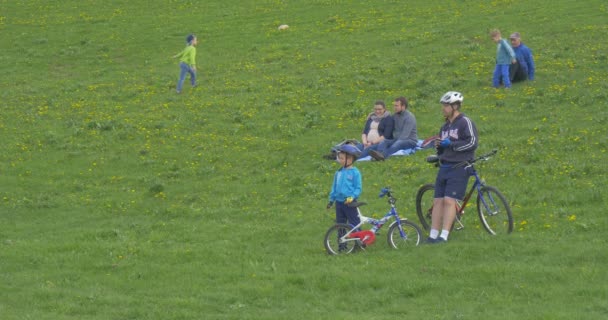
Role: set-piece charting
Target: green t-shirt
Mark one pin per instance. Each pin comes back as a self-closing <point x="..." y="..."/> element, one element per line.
<point x="188" y="56"/>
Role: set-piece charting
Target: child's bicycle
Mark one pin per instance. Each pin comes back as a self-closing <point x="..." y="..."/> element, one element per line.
<point x="492" y="207"/>
<point x="343" y="238"/>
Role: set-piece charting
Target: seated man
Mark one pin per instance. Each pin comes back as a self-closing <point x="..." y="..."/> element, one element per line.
<point x="524" y="68"/>
<point x="405" y="134"/>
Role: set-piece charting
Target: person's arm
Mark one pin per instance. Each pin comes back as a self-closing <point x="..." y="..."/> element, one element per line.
<point x="467" y="136"/>
<point x="509" y="51"/>
<point x="332" y="193"/>
<point x="357" y="184"/>
<point x="366" y="129"/>
<point x="389" y="127"/>
<point x="530" y="61"/>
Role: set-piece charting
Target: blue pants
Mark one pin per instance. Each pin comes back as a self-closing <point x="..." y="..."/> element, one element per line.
<point x="501" y="72"/>
<point x="346" y="214"/>
<point x="185" y="69"/>
<point x="390" y="146"/>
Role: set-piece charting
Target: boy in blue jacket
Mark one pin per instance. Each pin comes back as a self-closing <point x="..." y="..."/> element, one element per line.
<point x="346" y="187"/>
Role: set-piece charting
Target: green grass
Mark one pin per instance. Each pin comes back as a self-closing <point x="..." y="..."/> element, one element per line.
<point x="121" y="200"/>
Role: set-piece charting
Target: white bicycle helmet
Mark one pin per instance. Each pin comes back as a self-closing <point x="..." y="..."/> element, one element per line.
<point x="451" y="97"/>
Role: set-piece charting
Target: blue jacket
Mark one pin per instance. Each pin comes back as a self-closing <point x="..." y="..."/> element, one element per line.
<point x="463" y="134"/>
<point x="504" y="52"/>
<point x="525" y="59"/>
<point x="347" y="183"/>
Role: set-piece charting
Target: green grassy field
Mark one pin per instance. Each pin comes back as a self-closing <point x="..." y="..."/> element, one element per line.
<point x="120" y="199"/>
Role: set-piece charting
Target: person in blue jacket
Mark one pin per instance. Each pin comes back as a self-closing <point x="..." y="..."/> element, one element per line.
<point x="524" y="68"/>
<point x="347" y="186"/>
<point x="457" y="142"/>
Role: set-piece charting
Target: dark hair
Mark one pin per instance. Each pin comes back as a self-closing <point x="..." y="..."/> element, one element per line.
<point x="380" y="102"/>
<point x="189" y="38"/>
<point x="403" y="101"/>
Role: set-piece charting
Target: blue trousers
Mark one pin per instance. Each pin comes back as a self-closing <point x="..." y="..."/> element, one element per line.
<point x="501" y="72"/>
<point x="346" y="214"/>
<point x="185" y="69"/>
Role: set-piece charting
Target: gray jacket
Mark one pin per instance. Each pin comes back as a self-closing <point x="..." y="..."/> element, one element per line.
<point x="405" y="126"/>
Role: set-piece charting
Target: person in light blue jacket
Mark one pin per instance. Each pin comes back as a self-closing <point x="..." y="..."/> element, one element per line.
<point x="346" y="187"/>
<point x="505" y="56"/>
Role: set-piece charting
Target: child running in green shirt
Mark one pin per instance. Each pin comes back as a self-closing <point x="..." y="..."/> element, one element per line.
<point x="187" y="62"/>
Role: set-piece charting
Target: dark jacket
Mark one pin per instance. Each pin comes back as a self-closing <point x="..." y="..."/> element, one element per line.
<point x="463" y="134"/>
<point x="385" y="128"/>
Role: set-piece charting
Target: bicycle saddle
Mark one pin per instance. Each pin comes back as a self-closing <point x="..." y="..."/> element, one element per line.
<point x="356" y="204"/>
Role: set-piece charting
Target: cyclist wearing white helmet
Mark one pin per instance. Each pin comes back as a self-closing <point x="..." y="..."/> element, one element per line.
<point x="457" y="143"/>
<point x="346" y="186"/>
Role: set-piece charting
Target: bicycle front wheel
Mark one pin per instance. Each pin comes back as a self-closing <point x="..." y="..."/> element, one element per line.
<point x="333" y="243"/>
<point x="494" y="211"/>
<point x="424" y="204"/>
<point x="411" y="237"/>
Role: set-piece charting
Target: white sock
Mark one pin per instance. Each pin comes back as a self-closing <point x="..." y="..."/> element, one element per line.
<point x="444" y="234"/>
<point x="434" y="233"/>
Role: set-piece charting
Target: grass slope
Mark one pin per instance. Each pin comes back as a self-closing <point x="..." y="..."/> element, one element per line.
<point x="121" y="200"/>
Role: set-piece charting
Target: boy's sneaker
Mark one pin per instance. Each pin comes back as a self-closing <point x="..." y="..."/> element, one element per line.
<point x="376" y="155"/>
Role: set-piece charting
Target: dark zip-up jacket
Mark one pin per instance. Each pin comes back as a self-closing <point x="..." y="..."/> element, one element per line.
<point x="463" y="134"/>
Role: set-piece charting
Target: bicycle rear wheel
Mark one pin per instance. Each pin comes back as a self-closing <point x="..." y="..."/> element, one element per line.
<point x="494" y="211"/>
<point x="424" y="204"/>
<point x="332" y="242"/>
<point x="412" y="235"/>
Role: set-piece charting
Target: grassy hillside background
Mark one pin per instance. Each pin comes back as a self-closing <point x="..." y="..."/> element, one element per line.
<point x="120" y="199"/>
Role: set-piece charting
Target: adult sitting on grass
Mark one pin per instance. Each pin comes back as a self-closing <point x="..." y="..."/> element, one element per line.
<point x="524" y="68"/>
<point x="405" y="133"/>
<point x="378" y="127"/>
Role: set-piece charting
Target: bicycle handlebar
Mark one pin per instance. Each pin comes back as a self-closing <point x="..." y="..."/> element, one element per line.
<point x="384" y="192"/>
<point x="485" y="157"/>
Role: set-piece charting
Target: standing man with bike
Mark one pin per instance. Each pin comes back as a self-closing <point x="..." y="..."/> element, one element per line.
<point x="457" y="143"/>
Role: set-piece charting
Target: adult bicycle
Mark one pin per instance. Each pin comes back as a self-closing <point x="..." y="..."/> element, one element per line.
<point x="492" y="207"/>
<point x="343" y="238"/>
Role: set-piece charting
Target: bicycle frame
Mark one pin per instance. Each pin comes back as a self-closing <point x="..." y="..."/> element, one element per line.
<point x="460" y="205"/>
<point x="377" y="223"/>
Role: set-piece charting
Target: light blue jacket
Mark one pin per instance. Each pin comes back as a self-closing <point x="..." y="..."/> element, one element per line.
<point x="347" y="183"/>
<point x="504" y="52"/>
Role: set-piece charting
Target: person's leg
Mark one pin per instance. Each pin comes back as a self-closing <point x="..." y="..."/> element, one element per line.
<point x="366" y="151"/>
<point x="341" y="217"/>
<point x="352" y="215"/>
<point x="192" y="76"/>
<point x="182" y="76"/>
<point x="399" y="145"/>
<point x="496" y="76"/>
<point x="520" y="74"/>
<point x="455" y="189"/>
<point x="438" y="205"/>
<point x="378" y="152"/>
<point x="513" y="69"/>
<point x="385" y="144"/>
<point x="504" y="71"/>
